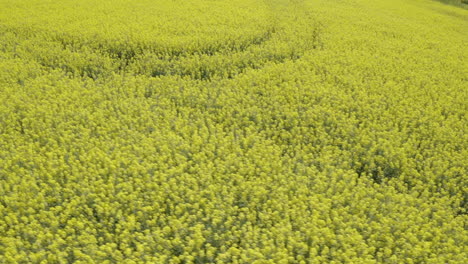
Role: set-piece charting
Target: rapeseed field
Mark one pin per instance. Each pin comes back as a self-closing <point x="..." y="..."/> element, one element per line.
<point x="240" y="131"/>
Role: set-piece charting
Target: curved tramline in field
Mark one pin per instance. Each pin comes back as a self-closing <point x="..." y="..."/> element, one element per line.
<point x="245" y="131"/>
<point x="157" y="40"/>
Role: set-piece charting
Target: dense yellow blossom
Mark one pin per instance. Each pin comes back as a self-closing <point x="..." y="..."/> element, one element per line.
<point x="240" y="131"/>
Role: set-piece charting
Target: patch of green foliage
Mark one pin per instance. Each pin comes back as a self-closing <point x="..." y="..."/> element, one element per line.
<point x="459" y="3"/>
<point x="240" y="131"/>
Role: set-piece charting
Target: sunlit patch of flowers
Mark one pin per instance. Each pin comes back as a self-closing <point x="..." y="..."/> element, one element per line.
<point x="245" y="131"/>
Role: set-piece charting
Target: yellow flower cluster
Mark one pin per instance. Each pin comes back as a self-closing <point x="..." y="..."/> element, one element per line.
<point x="240" y="131"/>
